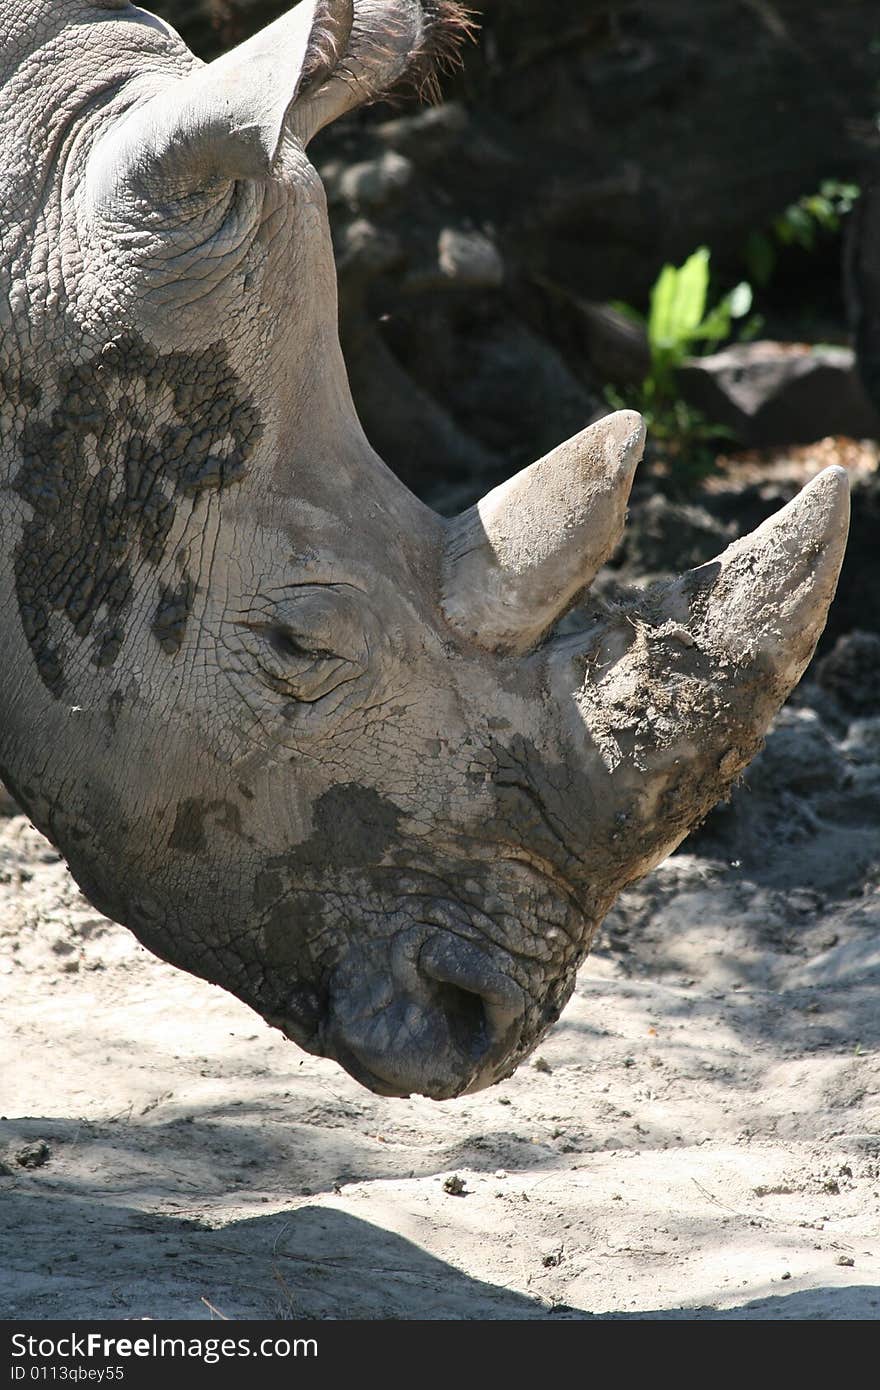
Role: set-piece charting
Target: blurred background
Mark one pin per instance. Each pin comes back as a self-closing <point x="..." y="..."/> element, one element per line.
<point x="661" y="205"/>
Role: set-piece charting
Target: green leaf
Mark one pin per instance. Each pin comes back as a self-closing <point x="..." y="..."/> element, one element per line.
<point x="661" y="317"/>
<point x="716" y="325"/>
<point x="783" y="230"/>
<point x="800" y="226"/>
<point x="760" y="255"/>
<point x="617" y="399"/>
<point x="752" y="328"/>
<point x="841" y="195"/>
<point x="627" y="311"/>
<point x="740" y="300"/>
<point x="693" y="288"/>
<point x="823" y="211"/>
<point x="678" y="303"/>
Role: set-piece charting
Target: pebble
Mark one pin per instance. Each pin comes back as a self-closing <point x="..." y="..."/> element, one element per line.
<point x="33" y="1155"/>
<point x="469" y="259"/>
<point x="375" y="181"/>
<point x="455" y="1186"/>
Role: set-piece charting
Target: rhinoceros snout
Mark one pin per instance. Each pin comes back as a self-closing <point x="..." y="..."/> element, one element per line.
<point x="454" y="1028"/>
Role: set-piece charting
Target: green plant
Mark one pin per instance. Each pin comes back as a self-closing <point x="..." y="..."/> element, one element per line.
<point x="801" y="224"/>
<point x="679" y="324"/>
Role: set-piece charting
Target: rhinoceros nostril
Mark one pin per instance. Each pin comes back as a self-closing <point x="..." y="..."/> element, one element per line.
<point x="481" y="1004"/>
<point x="446" y="1024"/>
<point x="465" y="1014"/>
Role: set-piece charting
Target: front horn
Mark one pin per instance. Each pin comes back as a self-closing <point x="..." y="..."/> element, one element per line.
<point x="515" y="562"/>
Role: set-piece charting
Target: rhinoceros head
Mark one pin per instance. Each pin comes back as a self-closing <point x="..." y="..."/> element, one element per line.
<point x="308" y="740"/>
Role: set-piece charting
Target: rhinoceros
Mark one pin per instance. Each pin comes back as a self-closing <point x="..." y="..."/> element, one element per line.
<point x="304" y="737"/>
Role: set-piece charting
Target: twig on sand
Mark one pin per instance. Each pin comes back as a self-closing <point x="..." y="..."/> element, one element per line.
<point x="216" y="1311"/>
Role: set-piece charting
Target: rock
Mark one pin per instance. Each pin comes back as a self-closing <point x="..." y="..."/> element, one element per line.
<point x="851" y="672"/>
<point x="455" y="1186"/>
<point x="616" y="344"/>
<point x="781" y="393"/>
<point x="428" y="134"/>
<point x="364" y="249"/>
<point x="33" y="1155"/>
<point x="799" y="756"/>
<point x="862" y="744"/>
<point x="868" y="1144"/>
<point x="8" y="806"/>
<point x="857" y="604"/>
<point x="465" y="351"/>
<point x="372" y="183"/>
<point x="469" y="259"/>
<point x="432" y="453"/>
<point x="666" y="537"/>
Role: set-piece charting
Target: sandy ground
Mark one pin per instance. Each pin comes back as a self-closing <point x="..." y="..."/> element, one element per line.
<point x="699" y="1138"/>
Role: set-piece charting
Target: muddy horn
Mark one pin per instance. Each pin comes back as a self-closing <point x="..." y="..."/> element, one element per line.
<point x="670" y="700"/>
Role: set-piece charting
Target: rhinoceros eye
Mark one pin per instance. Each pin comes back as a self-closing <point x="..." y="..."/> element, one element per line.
<point x="285" y="642"/>
<point x="311" y="642"/>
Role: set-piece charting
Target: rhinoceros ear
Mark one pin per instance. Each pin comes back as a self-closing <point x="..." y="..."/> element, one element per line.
<point x="226" y="119"/>
<point x="515" y="562"/>
<point x="393" y="43"/>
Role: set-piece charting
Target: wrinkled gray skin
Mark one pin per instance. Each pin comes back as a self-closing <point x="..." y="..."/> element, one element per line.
<point x="304" y="738"/>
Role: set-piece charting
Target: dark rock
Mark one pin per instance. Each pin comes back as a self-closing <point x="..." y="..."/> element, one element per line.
<point x="798" y="757"/>
<point x="851" y="672"/>
<point x="33" y="1155"/>
<point x="857" y="603"/>
<point x="666" y="537"/>
<point x="427" y="135"/>
<point x="616" y="345"/>
<point x="781" y="393"/>
<point x="863" y="287"/>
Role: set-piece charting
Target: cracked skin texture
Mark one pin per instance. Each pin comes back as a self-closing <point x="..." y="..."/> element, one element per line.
<point x="231" y="696"/>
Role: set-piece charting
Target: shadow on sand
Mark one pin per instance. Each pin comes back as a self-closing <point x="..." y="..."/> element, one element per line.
<point x="80" y="1258"/>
